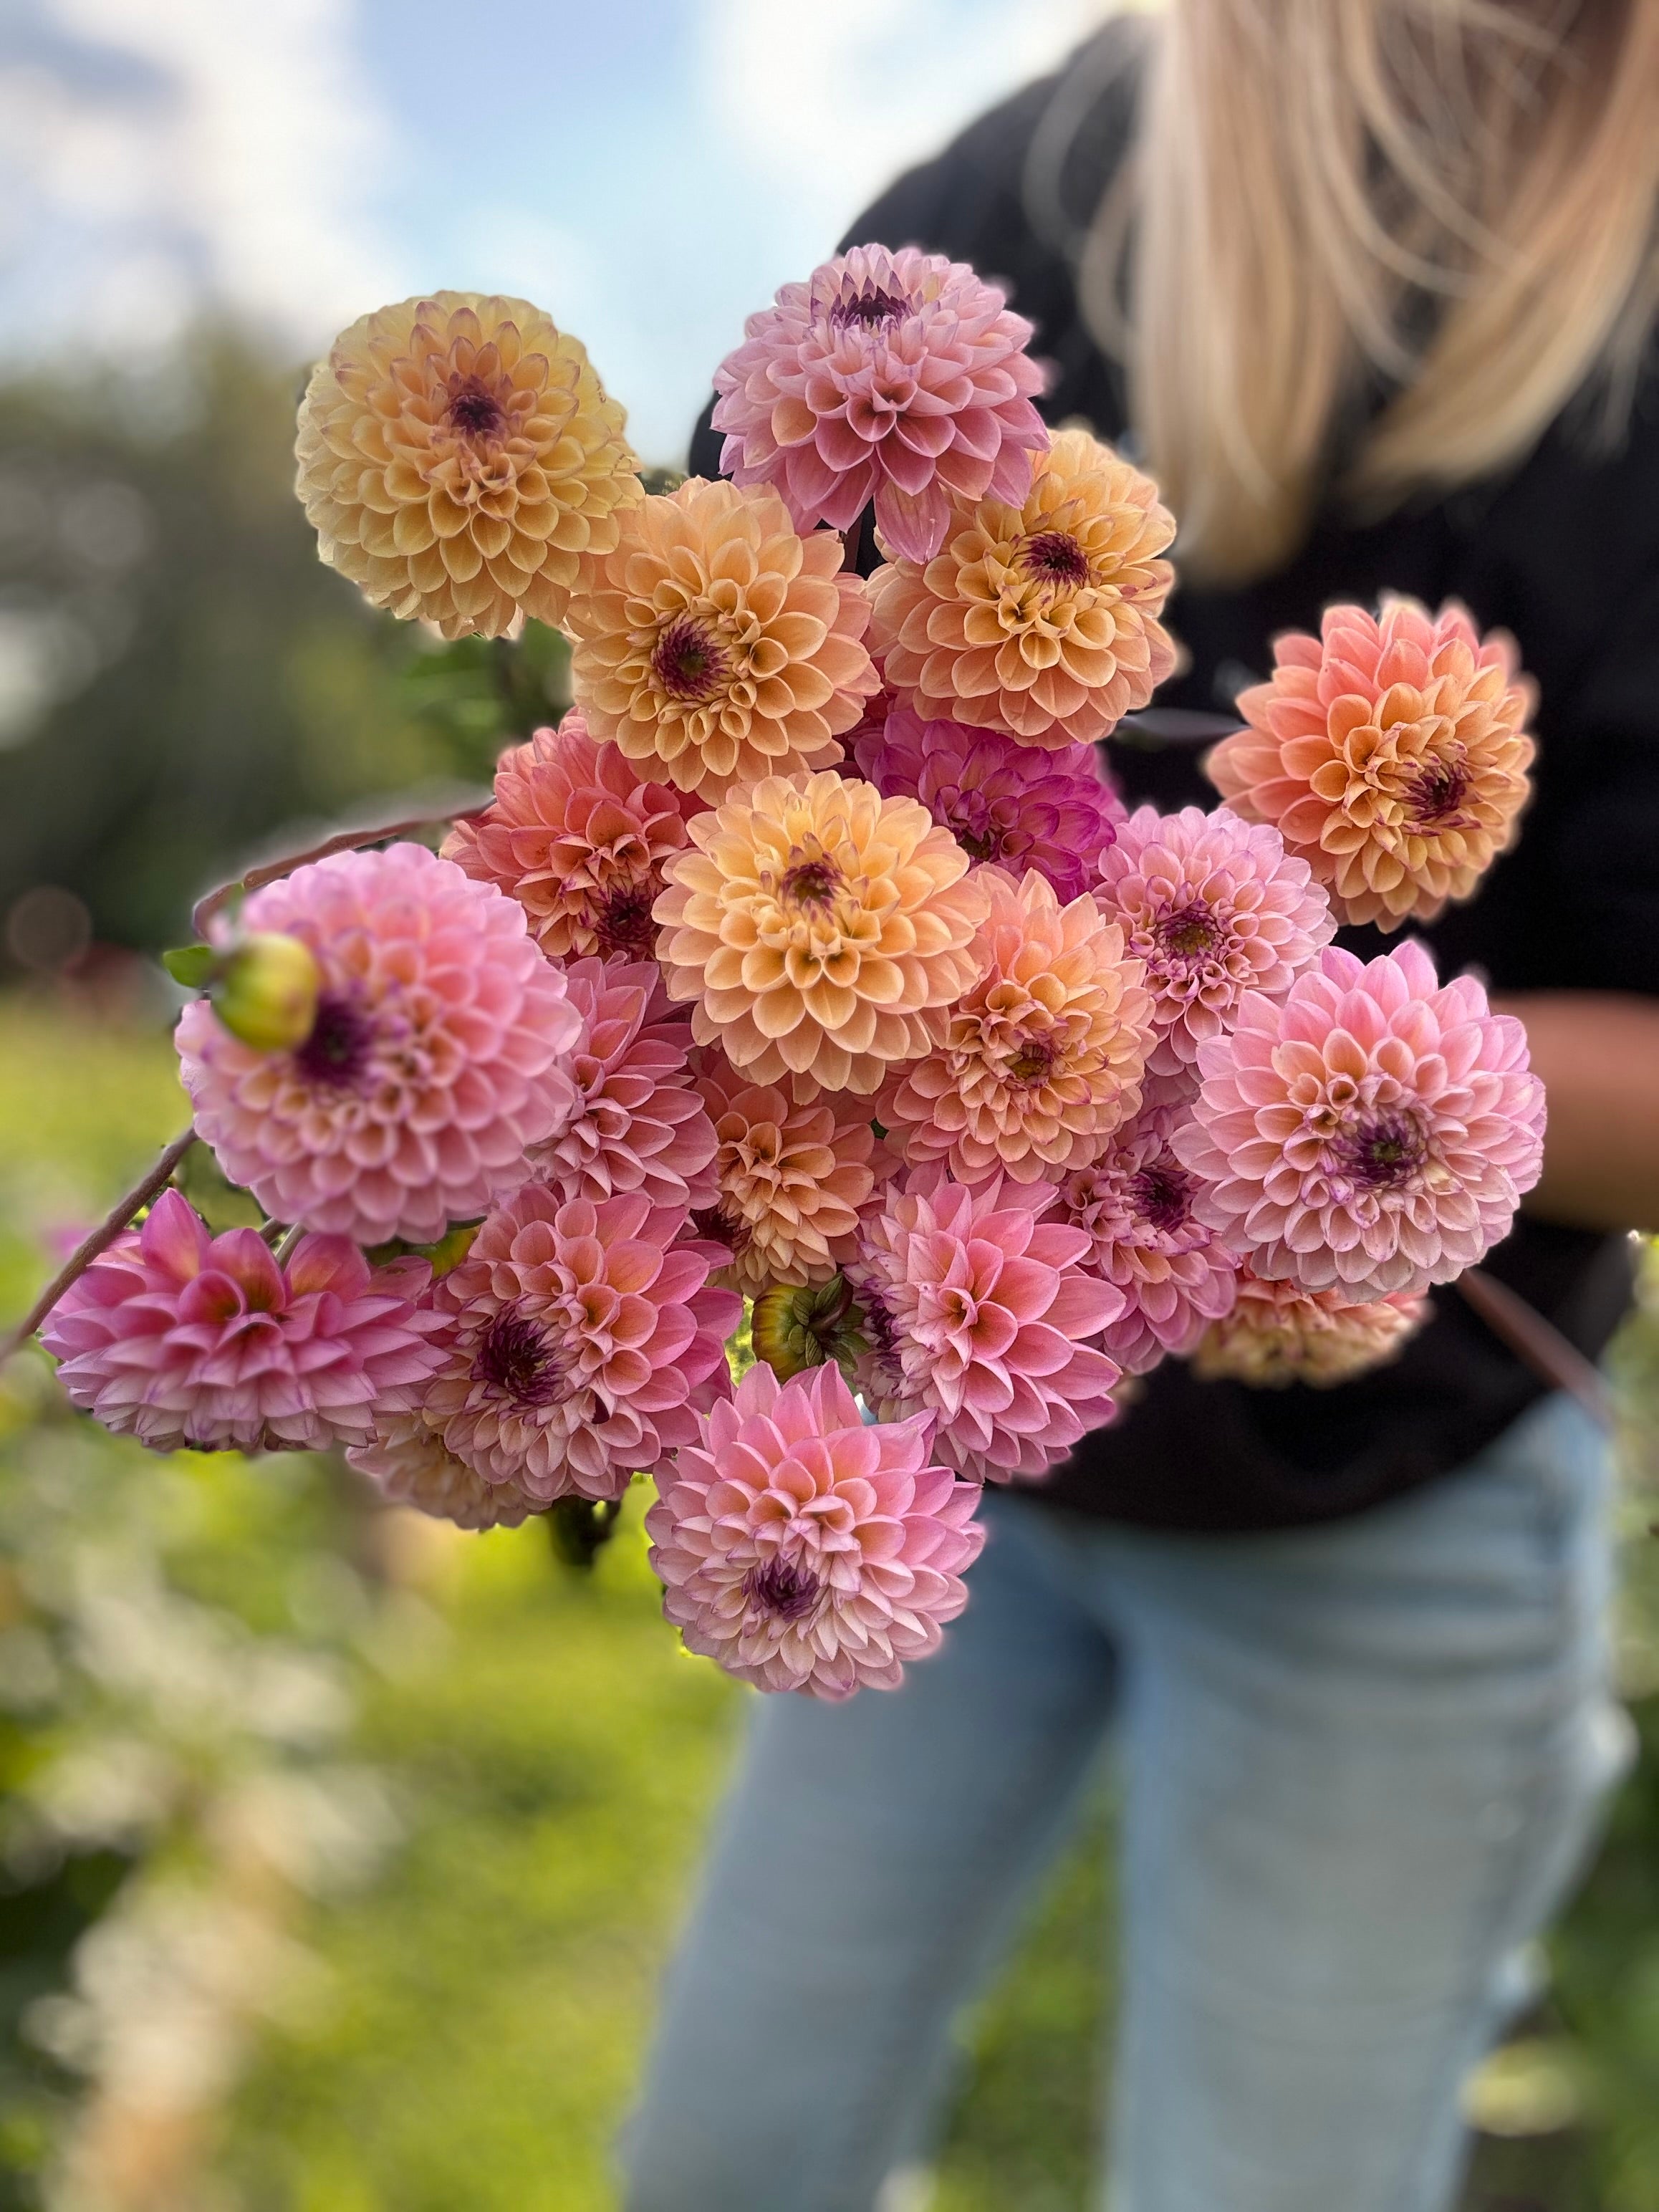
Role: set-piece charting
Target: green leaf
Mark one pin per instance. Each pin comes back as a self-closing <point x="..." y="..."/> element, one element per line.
<point x="192" y="965"/>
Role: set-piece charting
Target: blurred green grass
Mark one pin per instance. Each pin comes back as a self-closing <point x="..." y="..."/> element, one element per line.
<point x="552" y="1758"/>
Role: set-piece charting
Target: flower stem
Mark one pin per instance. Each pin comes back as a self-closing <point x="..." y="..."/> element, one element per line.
<point x="1537" y="1343"/>
<point x="100" y="1241"/>
<point x="343" y="841"/>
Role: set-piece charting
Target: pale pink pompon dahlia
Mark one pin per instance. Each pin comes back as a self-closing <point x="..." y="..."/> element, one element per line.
<point x="804" y="1551"/>
<point x="1000" y="801"/>
<point x="1214" y="907"/>
<point x="979" y="1311"/>
<point x="791" y="1179"/>
<point x="575" y="836"/>
<point x="438" y="1054"/>
<point x="819" y="931"/>
<point x="1276" y="1335"/>
<point x="184" y="1340"/>
<point x="1043" y="1055"/>
<point x="636" y="1122"/>
<point x="1038" y="618"/>
<point x="1390" y="752"/>
<point x="583" y="1341"/>
<point x="901" y="378"/>
<point x="1373" y="1132"/>
<point x="1137" y="1204"/>
<point x="407" y="1463"/>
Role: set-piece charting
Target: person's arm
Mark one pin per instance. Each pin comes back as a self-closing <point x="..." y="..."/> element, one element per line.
<point x="1598" y="1053"/>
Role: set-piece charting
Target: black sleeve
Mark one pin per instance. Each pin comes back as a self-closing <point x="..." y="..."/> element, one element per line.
<point x="1012" y="195"/>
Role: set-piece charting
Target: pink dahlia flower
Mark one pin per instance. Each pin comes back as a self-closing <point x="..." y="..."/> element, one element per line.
<point x="1372" y="1133"/>
<point x="638" y="1123"/>
<point x="437" y="1057"/>
<point x="406" y="1461"/>
<point x="802" y="1550"/>
<point x="1000" y="801"/>
<point x="980" y="1312"/>
<point x="184" y="1340"/>
<point x="1215" y="907"/>
<point x="1275" y="1335"/>
<point x="1043" y="1055"/>
<point x="900" y="378"/>
<point x="790" y="1178"/>
<point x="1137" y="1204"/>
<point x="579" y="839"/>
<point x="584" y="1339"/>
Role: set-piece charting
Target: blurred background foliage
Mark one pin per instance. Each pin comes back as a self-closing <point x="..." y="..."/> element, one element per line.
<point x="339" y="1851"/>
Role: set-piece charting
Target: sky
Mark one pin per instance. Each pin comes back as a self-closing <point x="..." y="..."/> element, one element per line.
<point x="649" y="173"/>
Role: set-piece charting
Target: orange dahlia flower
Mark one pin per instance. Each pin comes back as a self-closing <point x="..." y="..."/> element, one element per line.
<point x="820" y="931"/>
<point x="1040" y="621"/>
<point x="459" y="458"/>
<point x="715" y="646"/>
<point x="792" y="1180"/>
<point x="1044" y="1055"/>
<point x="1391" y="755"/>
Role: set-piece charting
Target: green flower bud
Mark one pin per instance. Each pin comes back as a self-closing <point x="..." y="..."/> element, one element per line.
<point x="795" y="1328"/>
<point x="265" y="992"/>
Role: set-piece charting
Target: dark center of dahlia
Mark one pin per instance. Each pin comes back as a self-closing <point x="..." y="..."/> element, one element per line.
<point x="1056" y="555"/>
<point x="782" y="1588"/>
<point x="811" y="883"/>
<point x="1380" y="1154"/>
<point x="689" y="662"/>
<point x="336" y="1054"/>
<point x="1034" y="1059"/>
<point x="873" y="305"/>
<point x="624" y="923"/>
<point x="474" y="410"/>
<point x="1187" y="933"/>
<point x="716" y="1224"/>
<point x="515" y="1359"/>
<point x="1162" y="1194"/>
<point x="1438" y="790"/>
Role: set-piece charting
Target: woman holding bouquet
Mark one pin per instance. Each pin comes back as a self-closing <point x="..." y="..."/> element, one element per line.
<point x="1369" y="290"/>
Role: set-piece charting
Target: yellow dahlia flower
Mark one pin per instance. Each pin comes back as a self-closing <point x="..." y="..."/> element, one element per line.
<point x="821" y="932"/>
<point x="715" y="646"/>
<point x="1044" y="1056"/>
<point x="1039" y="621"/>
<point x="460" y="458"/>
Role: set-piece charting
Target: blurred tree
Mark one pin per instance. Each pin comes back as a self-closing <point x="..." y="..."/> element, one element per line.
<point x="181" y="680"/>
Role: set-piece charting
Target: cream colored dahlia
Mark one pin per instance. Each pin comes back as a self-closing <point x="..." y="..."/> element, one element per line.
<point x="1277" y="1334"/>
<point x="458" y="460"/>
<point x="1391" y="755"/>
<point x="1040" y="621"/>
<point x="792" y="1179"/>
<point x="821" y="932"/>
<point x="1043" y="1056"/>
<point x="715" y="646"/>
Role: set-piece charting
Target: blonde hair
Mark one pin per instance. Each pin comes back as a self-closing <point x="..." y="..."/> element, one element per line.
<point x="1446" y="204"/>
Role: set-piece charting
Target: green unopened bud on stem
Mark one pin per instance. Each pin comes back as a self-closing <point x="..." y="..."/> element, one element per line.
<point x="265" y="992"/>
<point x="795" y="1328"/>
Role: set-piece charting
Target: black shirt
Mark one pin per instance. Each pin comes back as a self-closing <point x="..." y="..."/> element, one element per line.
<point x="1563" y="553"/>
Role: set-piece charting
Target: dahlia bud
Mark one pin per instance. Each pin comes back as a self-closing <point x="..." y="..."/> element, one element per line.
<point x="798" y="1326"/>
<point x="265" y="992"/>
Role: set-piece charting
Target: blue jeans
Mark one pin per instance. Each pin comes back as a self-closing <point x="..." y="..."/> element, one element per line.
<point x="1361" y="1763"/>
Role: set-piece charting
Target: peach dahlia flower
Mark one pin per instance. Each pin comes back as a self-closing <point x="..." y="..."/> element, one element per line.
<point x="458" y="460"/>
<point x="1390" y="752"/>
<point x="792" y="1179"/>
<point x="1039" y="620"/>
<point x="1276" y="1333"/>
<point x="714" y="645"/>
<point x="820" y="930"/>
<point x="1043" y="1056"/>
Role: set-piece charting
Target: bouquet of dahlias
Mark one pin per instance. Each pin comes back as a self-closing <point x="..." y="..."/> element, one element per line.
<point x="810" y="978"/>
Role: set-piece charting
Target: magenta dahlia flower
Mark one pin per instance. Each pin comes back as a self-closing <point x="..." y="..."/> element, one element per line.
<point x="638" y="1123"/>
<point x="802" y="1550"/>
<point x="407" y="1463"/>
<point x="1215" y="907"/>
<point x="1137" y="1204"/>
<point x="901" y="378"/>
<point x="980" y="1311"/>
<point x="584" y="1339"/>
<point x="186" y="1340"/>
<point x="438" y="1056"/>
<point x="1372" y="1133"/>
<point x="1000" y="801"/>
